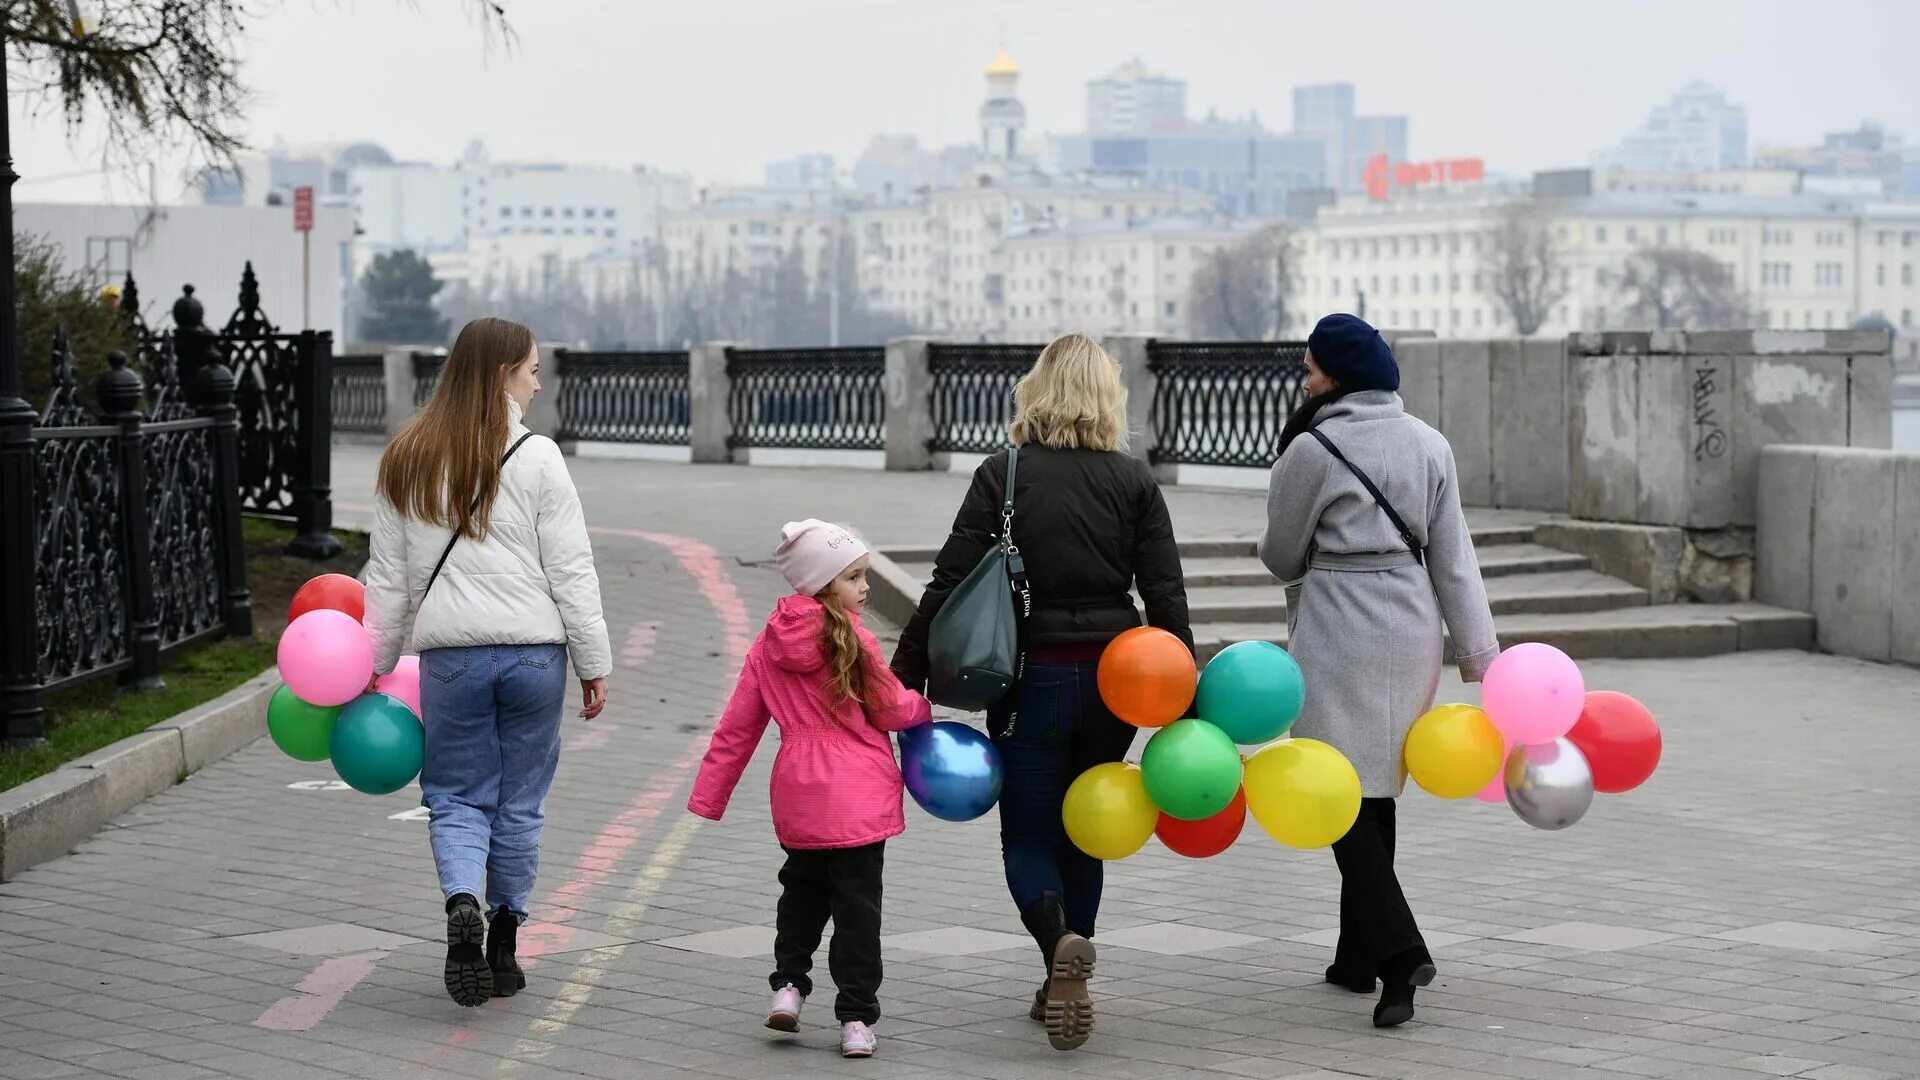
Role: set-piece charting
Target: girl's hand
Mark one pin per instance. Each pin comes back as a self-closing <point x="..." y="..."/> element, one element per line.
<point x="594" y="693"/>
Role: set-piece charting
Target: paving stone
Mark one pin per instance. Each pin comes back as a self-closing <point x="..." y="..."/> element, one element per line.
<point x="1590" y="936"/>
<point x="1813" y="937"/>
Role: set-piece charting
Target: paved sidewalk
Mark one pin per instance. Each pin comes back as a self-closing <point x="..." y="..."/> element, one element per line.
<point x="1755" y="911"/>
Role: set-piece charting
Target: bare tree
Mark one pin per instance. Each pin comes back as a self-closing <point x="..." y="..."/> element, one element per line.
<point x="1240" y="292"/>
<point x="1681" y="289"/>
<point x="159" y="73"/>
<point x="1524" y="268"/>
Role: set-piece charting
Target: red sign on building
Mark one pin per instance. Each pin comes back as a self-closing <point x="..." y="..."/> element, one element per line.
<point x="1381" y="176"/>
<point x="303" y="209"/>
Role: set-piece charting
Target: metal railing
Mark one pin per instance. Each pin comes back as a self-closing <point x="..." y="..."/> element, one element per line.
<point x="360" y="394"/>
<point x="426" y="376"/>
<point x="972" y="392"/>
<point x="630" y="397"/>
<point x="1224" y="403"/>
<point x="811" y="399"/>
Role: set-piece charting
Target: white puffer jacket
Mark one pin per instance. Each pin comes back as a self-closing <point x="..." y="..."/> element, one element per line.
<point x="531" y="580"/>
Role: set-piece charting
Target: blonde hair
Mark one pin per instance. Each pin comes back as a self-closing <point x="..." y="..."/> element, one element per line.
<point x="850" y="674"/>
<point x="450" y="452"/>
<point x="1073" y="399"/>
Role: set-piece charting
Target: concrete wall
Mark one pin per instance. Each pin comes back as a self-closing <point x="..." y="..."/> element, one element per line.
<point x="1502" y="406"/>
<point x="1839" y="536"/>
<point x="1667" y="427"/>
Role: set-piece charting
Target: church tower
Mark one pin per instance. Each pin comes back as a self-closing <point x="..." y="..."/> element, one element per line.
<point x="1003" y="119"/>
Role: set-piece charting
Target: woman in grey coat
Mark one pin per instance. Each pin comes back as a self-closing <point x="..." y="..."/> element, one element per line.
<point x="1372" y="575"/>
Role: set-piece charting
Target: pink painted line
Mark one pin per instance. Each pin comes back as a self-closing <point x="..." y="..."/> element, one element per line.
<point x="597" y="736"/>
<point x="319" y="993"/>
<point x="640" y="640"/>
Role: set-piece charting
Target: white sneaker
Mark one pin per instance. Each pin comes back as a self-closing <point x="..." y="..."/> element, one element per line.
<point x="856" y="1040"/>
<point x="785" y="1013"/>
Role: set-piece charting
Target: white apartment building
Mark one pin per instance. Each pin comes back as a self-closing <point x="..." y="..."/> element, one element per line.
<point x="749" y="231"/>
<point x="1804" y="260"/>
<point x="1106" y="277"/>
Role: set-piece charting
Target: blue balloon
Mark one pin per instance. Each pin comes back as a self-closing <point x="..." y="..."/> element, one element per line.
<point x="952" y="770"/>
<point x="1252" y="690"/>
<point x="378" y="744"/>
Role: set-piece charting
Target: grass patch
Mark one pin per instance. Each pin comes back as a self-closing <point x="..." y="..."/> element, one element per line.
<point x="100" y="713"/>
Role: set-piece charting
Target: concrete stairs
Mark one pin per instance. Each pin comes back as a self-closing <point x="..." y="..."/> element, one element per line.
<point x="1538" y="594"/>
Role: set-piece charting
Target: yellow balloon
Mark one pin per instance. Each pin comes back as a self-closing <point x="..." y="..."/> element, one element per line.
<point x="1454" y="751"/>
<point x="1303" y="792"/>
<point x="1107" y="811"/>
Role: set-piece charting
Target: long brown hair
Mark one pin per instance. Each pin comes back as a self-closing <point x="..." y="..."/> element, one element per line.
<point x="444" y="457"/>
<point x="849" y="667"/>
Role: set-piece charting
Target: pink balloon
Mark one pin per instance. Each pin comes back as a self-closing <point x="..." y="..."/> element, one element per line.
<point x="326" y="658"/>
<point x="1496" y="789"/>
<point x="1534" y="693"/>
<point x="403" y="683"/>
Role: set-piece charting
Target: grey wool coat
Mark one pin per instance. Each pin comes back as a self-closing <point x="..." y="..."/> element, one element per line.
<point x="1365" y="620"/>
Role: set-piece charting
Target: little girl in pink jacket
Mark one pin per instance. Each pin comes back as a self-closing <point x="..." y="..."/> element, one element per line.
<point x="836" y="788"/>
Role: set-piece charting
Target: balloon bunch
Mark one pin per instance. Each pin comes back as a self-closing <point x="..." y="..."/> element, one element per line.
<point x="1192" y="787"/>
<point x="325" y="710"/>
<point x="1542" y="743"/>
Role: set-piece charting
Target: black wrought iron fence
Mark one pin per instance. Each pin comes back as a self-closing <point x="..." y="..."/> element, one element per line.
<point x="973" y="393"/>
<point x="426" y="376"/>
<point x="137" y="542"/>
<point x="631" y="397"/>
<point x="360" y="393"/>
<point x="812" y="399"/>
<point x="1224" y="403"/>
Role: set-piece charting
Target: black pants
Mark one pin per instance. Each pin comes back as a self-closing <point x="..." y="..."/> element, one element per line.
<point x="842" y="884"/>
<point x="1376" y="925"/>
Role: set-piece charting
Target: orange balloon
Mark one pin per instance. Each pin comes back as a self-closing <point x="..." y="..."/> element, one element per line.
<point x="1147" y="677"/>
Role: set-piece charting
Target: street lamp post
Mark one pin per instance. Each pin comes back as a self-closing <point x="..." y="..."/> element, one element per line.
<point x="20" y="653"/>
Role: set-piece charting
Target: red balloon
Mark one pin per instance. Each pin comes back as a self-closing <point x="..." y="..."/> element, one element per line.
<point x="336" y="591"/>
<point x="1620" y="739"/>
<point x="1208" y="836"/>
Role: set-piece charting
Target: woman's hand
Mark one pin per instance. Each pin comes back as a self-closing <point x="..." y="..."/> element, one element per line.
<point x="593" y="693"/>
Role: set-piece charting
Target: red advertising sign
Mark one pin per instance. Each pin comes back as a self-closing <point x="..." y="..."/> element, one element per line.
<point x="303" y="209"/>
<point x="1381" y="176"/>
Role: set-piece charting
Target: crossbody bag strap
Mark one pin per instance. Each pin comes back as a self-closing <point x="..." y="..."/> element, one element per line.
<point x="455" y="538"/>
<point x="1022" y="591"/>
<point x="1406" y="534"/>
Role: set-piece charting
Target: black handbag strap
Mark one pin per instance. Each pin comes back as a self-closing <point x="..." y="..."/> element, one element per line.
<point x="1022" y="592"/>
<point x="1406" y="534"/>
<point x="455" y="538"/>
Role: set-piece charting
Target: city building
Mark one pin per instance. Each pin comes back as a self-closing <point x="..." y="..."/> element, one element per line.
<point x="208" y="247"/>
<point x="269" y="178"/>
<point x="1003" y="119"/>
<point x="1868" y="152"/>
<point x="1107" y="276"/>
<point x="1134" y="101"/>
<point x="1802" y="259"/>
<point x="1699" y="130"/>
<point x="894" y="167"/>
<point x="804" y="171"/>
<point x="1349" y="141"/>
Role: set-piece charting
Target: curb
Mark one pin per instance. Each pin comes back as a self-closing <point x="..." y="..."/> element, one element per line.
<point x="892" y="593"/>
<point x="48" y="816"/>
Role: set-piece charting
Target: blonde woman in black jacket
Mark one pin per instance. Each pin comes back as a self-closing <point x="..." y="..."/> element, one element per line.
<point x="1092" y="525"/>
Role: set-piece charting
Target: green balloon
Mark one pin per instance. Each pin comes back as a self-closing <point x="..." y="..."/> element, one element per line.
<point x="300" y="729"/>
<point x="1191" y="769"/>
<point x="378" y="744"/>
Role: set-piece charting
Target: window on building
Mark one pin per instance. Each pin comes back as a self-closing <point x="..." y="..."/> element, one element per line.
<point x="1662" y="235"/>
<point x="587" y="213"/>
<point x="1376" y="283"/>
<point x="546" y="211"/>
<point x="1373" y="249"/>
<point x="1906" y="274"/>
<point x="1880" y="274"/>
<point x="1434" y="282"/>
<point x="1414" y="320"/>
<point x="1413" y="284"/>
<point x="1766" y="319"/>
<point x="1454" y="318"/>
<point x="1633" y="235"/>
<point x="1435" y="324"/>
<point x="610" y="234"/>
<point x="1477" y="281"/>
<point x="607" y="213"/>
<point x="1477" y="312"/>
<point x="1453" y="245"/>
<point x="1171" y="251"/>
<point x="1599" y="234"/>
<point x="1906" y="318"/>
<point x="1393" y="248"/>
<point x="1171" y="309"/>
<point x="526" y="211"/>
<point x="567" y="213"/>
<point x="1333" y="286"/>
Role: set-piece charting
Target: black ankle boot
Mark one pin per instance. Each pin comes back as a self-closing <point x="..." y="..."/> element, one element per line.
<point x="1399" y="977"/>
<point x="1340" y="977"/>
<point x="508" y="979"/>
<point x="1068" y="1008"/>
<point x="469" y="980"/>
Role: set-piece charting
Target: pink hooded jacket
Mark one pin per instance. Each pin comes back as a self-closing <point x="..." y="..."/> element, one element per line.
<point x="835" y="781"/>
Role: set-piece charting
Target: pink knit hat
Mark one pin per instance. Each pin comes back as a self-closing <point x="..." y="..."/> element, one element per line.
<point x="813" y="552"/>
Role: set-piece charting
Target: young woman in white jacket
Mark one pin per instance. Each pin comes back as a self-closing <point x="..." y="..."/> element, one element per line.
<point x="480" y="544"/>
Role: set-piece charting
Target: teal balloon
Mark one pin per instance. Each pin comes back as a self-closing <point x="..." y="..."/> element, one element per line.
<point x="1191" y="769"/>
<point x="300" y="729"/>
<point x="378" y="744"/>
<point x="1252" y="690"/>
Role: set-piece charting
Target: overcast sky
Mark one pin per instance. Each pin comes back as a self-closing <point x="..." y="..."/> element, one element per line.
<point x="718" y="87"/>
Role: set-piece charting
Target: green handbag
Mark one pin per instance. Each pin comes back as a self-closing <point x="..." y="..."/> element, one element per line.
<point x="973" y="647"/>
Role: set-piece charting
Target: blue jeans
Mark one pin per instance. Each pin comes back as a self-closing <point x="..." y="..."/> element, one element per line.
<point x="493" y="740"/>
<point x="1063" y="730"/>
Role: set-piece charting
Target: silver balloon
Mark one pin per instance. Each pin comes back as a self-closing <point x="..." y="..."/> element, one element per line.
<point x="1550" y="785"/>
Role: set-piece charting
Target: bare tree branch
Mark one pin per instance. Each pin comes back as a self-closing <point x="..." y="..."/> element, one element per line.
<point x="1524" y="267"/>
<point x="1681" y="289"/>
